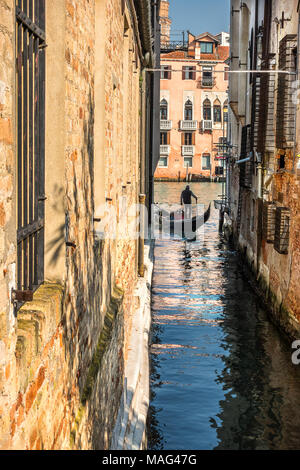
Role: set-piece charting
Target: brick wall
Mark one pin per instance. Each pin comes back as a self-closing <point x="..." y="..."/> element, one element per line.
<point x="62" y="359"/>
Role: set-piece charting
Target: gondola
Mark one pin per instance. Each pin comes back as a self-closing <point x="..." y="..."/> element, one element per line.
<point x="178" y="226"/>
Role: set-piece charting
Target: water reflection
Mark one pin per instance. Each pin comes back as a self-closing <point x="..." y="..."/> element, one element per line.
<point x="221" y="377"/>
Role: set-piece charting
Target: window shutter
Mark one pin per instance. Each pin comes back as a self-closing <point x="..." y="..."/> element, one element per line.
<point x="182" y="138"/>
<point x="194" y="73"/>
<point x="168" y="138"/>
<point x="169" y="72"/>
<point x="183" y="73"/>
<point x="193" y="138"/>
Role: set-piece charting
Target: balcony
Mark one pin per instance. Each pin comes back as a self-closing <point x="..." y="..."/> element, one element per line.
<point x="207" y="82"/>
<point x="188" y="150"/>
<point x="206" y="125"/>
<point x="164" y="149"/>
<point x="188" y="125"/>
<point x="166" y="125"/>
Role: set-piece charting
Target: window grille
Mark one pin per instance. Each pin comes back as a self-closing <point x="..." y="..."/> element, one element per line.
<point x="266" y="124"/>
<point x="282" y="230"/>
<point x="246" y="168"/>
<point x="30" y="80"/>
<point x="286" y="109"/>
<point x="269" y="214"/>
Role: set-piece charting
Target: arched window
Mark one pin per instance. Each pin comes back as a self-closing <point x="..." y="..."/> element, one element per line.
<point x="163" y="110"/>
<point x="225" y="111"/>
<point x="217" y="111"/>
<point x="188" y="111"/>
<point x="207" y="110"/>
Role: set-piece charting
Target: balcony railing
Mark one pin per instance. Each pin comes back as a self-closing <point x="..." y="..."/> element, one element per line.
<point x="208" y="82"/>
<point x="166" y="125"/>
<point x="165" y="149"/>
<point x="206" y="125"/>
<point x="188" y="150"/>
<point x="188" y="125"/>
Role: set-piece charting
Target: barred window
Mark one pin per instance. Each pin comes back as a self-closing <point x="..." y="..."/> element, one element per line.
<point x="30" y="53"/>
<point x="286" y="109"/>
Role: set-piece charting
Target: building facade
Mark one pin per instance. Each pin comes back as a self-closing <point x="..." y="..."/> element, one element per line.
<point x="263" y="190"/>
<point x="193" y="109"/>
<point x="75" y="143"/>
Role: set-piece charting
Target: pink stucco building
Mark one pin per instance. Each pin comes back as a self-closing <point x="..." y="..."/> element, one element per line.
<point x="193" y="108"/>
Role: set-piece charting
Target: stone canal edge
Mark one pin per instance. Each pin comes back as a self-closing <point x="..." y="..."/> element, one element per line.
<point x="130" y="429"/>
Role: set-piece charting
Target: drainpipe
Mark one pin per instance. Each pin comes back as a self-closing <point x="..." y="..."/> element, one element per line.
<point x="243" y="161"/>
<point x="259" y="175"/>
<point x="141" y="266"/>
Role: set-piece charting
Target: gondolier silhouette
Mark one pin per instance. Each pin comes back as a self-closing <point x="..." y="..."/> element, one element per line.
<point x="186" y="200"/>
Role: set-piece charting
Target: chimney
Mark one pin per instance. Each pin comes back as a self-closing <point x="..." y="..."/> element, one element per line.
<point x="165" y="22"/>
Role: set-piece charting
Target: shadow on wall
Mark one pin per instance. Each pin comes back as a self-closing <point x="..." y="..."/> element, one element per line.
<point x="91" y="348"/>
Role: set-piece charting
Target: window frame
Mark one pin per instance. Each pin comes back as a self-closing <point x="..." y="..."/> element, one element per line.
<point x="206" y="155"/>
<point x="205" y="109"/>
<point x="163" y="157"/>
<point x="189" y="72"/>
<point x="166" y="74"/>
<point x="184" y="162"/>
<point x="204" y="43"/>
<point x="188" y="109"/>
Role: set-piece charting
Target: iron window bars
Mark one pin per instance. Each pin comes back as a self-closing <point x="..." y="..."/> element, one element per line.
<point x="286" y="109"/>
<point x="246" y="168"/>
<point x="30" y="79"/>
<point x="282" y="230"/>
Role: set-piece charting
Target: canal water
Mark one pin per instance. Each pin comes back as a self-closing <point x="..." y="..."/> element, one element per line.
<point x="222" y="375"/>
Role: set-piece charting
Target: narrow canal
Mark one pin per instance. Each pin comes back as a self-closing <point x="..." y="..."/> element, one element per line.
<point x="222" y="376"/>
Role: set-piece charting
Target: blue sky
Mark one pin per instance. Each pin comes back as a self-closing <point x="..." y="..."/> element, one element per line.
<point x="199" y="16"/>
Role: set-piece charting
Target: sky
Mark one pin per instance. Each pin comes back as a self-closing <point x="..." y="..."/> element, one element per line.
<point x="199" y="16"/>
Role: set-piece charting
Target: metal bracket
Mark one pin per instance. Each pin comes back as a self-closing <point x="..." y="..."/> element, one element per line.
<point x="21" y="295"/>
<point x="71" y="244"/>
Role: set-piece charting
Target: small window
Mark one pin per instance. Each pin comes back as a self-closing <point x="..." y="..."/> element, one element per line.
<point x="206" y="47"/>
<point x="188" y="162"/>
<point x="188" y="138"/>
<point x="163" y="162"/>
<point x="207" y="77"/>
<point x="217" y="112"/>
<point x="188" y="111"/>
<point x="165" y="73"/>
<point x="207" y="110"/>
<point x="164" y="138"/>
<point x="163" y="110"/>
<point x="225" y="111"/>
<point x="188" y="73"/>
<point x="206" y="161"/>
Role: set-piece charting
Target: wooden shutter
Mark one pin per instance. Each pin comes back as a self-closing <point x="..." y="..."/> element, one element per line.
<point x="182" y="139"/>
<point x="194" y="73"/>
<point x="169" y="72"/>
<point x="193" y="138"/>
<point x="168" y="138"/>
<point x="183" y="73"/>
